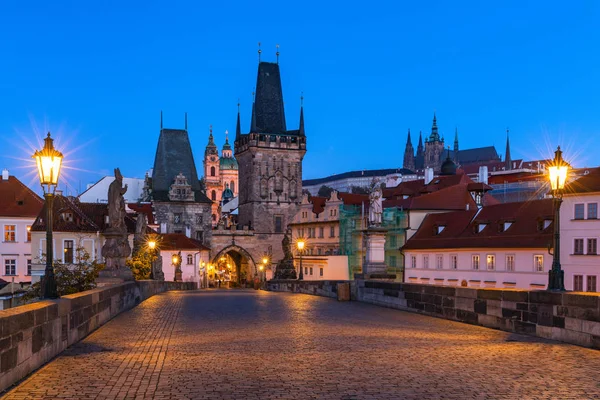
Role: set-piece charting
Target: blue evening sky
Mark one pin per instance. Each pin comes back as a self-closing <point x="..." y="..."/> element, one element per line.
<point x="98" y="73"/>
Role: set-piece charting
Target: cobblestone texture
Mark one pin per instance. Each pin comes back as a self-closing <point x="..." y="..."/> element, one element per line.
<point x="263" y="345"/>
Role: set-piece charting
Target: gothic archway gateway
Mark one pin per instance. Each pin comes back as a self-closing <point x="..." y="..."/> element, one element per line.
<point x="232" y="267"/>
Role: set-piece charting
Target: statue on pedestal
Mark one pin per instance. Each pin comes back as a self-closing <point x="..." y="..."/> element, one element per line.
<point x="375" y="206"/>
<point x="285" y="268"/>
<point x="116" y="248"/>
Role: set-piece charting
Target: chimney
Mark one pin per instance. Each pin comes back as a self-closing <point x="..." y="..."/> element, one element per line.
<point x="428" y="175"/>
<point x="483" y="174"/>
<point x="188" y="231"/>
<point x="4" y="174"/>
<point x="58" y="192"/>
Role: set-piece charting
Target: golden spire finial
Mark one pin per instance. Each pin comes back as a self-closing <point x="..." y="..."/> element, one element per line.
<point x="277" y="54"/>
<point x="259" y="51"/>
<point x="238" y="104"/>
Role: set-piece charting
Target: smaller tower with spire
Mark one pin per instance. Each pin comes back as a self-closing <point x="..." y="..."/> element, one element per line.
<point x="507" y="159"/>
<point x="456" y="145"/>
<point x="409" y="154"/>
<point x="434" y="148"/>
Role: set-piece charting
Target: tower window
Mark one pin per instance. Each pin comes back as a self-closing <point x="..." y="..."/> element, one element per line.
<point x="212" y="171"/>
<point x="278" y="224"/>
<point x="213" y="195"/>
<point x="232" y="186"/>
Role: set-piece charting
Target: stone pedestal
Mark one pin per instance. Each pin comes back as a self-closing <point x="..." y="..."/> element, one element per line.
<point x="375" y="260"/>
<point x="157" y="272"/>
<point x="115" y="251"/>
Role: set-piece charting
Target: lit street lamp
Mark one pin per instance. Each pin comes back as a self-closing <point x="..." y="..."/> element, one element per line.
<point x="176" y="259"/>
<point x="152" y="247"/>
<point x="300" y="244"/>
<point x="48" y="162"/>
<point x="558" y="176"/>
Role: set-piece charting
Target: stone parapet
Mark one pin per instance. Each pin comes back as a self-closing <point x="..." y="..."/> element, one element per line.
<point x="567" y="317"/>
<point x="32" y="334"/>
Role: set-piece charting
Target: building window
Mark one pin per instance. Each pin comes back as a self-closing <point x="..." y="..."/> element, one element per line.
<point x="454" y="262"/>
<point x="232" y="186"/>
<point x="305" y="270"/>
<point x="213" y="195"/>
<point x="10" y="233"/>
<point x="393" y="241"/>
<point x="578" y="283"/>
<point x="392" y="261"/>
<point x="578" y="246"/>
<point x="10" y="267"/>
<point x="320" y="271"/>
<point x="579" y="211"/>
<point x="190" y="259"/>
<point x="491" y="262"/>
<point x="177" y="218"/>
<point x="591" y="283"/>
<point x="425" y="261"/>
<point x="212" y="171"/>
<point x="510" y="262"/>
<point x="475" y="261"/>
<point x="200" y="236"/>
<point x="538" y="263"/>
<point x="311" y="270"/>
<point x="278" y="224"/>
<point x="332" y="231"/>
<point x="321" y="232"/>
<point x="198" y="219"/>
<point x="592" y="211"/>
<point x="439" y="261"/>
<point x="29" y="233"/>
<point x="319" y="251"/>
<point x="29" y="266"/>
<point x="413" y="261"/>
<point x="592" y="246"/>
<point x="68" y="252"/>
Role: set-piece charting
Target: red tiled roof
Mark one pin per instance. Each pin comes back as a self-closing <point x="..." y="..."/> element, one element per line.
<point x="586" y="184"/>
<point x="461" y="227"/>
<point x="354" y="199"/>
<point x="17" y="200"/>
<point x="144" y="208"/>
<point x="87" y="217"/>
<point x="178" y="241"/>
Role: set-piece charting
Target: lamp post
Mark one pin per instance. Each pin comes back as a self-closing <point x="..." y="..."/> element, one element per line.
<point x="48" y="162"/>
<point x="152" y="247"/>
<point x="558" y="175"/>
<point x="300" y="244"/>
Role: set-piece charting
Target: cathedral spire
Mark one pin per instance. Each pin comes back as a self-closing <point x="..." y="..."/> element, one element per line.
<point x="420" y="150"/>
<point x="409" y="154"/>
<point x="435" y="136"/>
<point x="161" y="120"/>
<point x="456" y="144"/>
<point x="238" y="129"/>
<point x="507" y="160"/>
<point x="301" y="129"/>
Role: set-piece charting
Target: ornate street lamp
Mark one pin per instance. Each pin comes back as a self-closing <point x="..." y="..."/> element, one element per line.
<point x="49" y="161"/>
<point x="152" y="248"/>
<point x="558" y="176"/>
<point x="300" y="244"/>
<point x="176" y="259"/>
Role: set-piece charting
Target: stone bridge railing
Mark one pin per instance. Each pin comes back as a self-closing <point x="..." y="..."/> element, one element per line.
<point x="568" y="317"/>
<point x="33" y="334"/>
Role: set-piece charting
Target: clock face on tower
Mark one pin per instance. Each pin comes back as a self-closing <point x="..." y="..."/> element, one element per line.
<point x="212" y="159"/>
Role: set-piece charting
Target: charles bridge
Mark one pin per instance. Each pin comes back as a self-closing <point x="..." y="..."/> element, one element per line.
<point x="164" y="340"/>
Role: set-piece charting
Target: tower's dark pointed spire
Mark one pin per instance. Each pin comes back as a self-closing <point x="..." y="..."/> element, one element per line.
<point x="259" y="51"/>
<point x="435" y="136"/>
<point x="161" y="120"/>
<point x="268" y="105"/>
<point x="211" y="147"/>
<point x="507" y="160"/>
<point x="409" y="154"/>
<point x="253" y="120"/>
<point x="420" y="150"/>
<point x="186" y="121"/>
<point x="408" y="140"/>
<point x="301" y="128"/>
<point x="455" y="144"/>
<point x="238" y="129"/>
<point x="277" y="54"/>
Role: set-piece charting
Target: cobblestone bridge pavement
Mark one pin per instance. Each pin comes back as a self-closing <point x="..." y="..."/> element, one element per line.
<point x="260" y="345"/>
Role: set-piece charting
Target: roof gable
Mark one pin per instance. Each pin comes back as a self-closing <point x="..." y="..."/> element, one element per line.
<point x="17" y="200"/>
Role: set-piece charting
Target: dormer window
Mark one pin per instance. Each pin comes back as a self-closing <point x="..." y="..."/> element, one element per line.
<point x="67" y="216"/>
<point x="405" y="197"/>
<point x="547" y="223"/>
<point x="481" y="227"/>
<point x="440" y="229"/>
<point x="507" y="225"/>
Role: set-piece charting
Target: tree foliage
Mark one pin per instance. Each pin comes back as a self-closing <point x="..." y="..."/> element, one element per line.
<point x="359" y="190"/>
<point x="71" y="278"/>
<point x="325" y="191"/>
<point x="141" y="264"/>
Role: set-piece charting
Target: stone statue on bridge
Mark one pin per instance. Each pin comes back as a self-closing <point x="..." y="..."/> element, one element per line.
<point x="285" y="268"/>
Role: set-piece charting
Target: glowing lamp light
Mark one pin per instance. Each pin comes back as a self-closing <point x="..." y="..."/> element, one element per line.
<point x="261" y="268"/>
<point x="265" y="260"/>
<point x="558" y="171"/>
<point x="300" y="244"/>
<point x="175" y="259"/>
<point x="152" y="244"/>
<point x="48" y="162"/>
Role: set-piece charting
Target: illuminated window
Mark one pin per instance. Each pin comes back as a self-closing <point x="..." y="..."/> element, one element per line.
<point x="29" y="233"/>
<point x="190" y="259"/>
<point x="10" y="233"/>
<point x="538" y="263"/>
<point x="491" y="262"/>
<point x="68" y="250"/>
<point x="475" y="261"/>
<point x="454" y="262"/>
<point x="510" y="262"/>
<point x="413" y="261"/>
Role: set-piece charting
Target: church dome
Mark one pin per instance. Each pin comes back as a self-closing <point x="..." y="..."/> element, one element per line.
<point x="228" y="163"/>
<point x="448" y="167"/>
<point x="227" y="195"/>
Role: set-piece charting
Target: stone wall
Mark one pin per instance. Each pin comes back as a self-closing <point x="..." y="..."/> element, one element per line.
<point x="567" y="317"/>
<point x="32" y="334"/>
